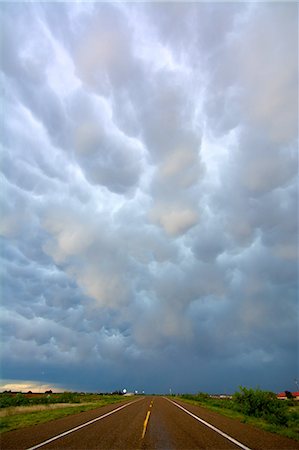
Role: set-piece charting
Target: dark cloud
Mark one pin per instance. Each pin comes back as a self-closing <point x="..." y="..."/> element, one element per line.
<point x="150" y="196"/>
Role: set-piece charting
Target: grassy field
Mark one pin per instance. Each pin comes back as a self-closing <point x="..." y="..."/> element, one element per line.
<point x="15" y="417"/>
<point x="228" y="408"/>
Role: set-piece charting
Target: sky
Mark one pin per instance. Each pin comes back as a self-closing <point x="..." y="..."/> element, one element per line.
<point x="149" y="206"/>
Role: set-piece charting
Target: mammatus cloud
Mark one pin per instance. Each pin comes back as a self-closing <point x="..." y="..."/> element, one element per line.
<point x="150" y="198"/>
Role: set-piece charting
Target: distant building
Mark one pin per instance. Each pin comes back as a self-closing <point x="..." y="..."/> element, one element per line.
<point x="221" y="396"/>
<point x="286" y="394"/>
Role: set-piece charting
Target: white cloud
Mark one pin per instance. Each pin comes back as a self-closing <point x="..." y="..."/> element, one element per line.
<point x="174" y="221"/>
<point x="268" y="70"/>
<point x="25" y="386"/>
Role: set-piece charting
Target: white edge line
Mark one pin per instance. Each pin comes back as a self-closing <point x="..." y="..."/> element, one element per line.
<point x="210" y="426"/>
<point x="81" y="426"/>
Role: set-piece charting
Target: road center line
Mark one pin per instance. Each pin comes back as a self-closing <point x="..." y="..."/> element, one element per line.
<point x="82" y="426"/>
<point x="210" y="426"/>
<point x="145" y="424"/>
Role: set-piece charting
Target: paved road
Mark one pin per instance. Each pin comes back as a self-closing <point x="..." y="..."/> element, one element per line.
<point x="146" y="423"/>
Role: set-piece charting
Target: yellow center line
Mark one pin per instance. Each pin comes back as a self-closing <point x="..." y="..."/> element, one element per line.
<point x="145" y="424"/>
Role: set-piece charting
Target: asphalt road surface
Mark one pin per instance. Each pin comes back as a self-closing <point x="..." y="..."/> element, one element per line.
<point x="145" y="423"/>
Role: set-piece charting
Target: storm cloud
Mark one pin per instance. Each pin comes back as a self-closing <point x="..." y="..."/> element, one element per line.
<point x="149" y="195"/>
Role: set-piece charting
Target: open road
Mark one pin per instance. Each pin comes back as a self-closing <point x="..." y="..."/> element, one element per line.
<point x="145" y="423"/>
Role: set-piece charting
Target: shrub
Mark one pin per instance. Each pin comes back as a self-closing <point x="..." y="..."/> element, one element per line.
<point x="202" y="396"/>
<point x="67" y="397"/>
<point x="188" y="396"/>
<point x="199" y="397"/>
<point x="13" y="400"/>
<point x="5" y="400"/>
<point x="293" y="418"/>
<point x="20" y="400"/>
<point x="264" y="404"/>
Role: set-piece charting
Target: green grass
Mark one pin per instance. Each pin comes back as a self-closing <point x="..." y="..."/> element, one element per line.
<point x="14" y="421"/>
<point x="226" y="408"/>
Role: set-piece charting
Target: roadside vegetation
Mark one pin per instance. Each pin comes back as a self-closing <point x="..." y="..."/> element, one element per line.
<point x="22" y="410"/>
<point x="255" y="407"/>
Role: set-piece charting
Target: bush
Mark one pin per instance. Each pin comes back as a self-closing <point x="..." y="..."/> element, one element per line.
<point x="67" y="397"/>
<point x="5" y="401"/>
<point x="16" y="400"/>
<point x="202" y="396"/>
<point x="258" y="403"/>
<point x="293" y="418"/>
<point x="199" y="397"/>
<point x="20" y="400"/>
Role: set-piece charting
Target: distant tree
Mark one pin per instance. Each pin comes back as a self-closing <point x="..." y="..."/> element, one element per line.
<point x="289" y="395"/>
<point x="48" y="392"/>
<point x="119" y="392"/>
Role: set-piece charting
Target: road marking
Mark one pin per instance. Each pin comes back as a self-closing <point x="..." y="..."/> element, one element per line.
<point x="145" y="424"/>
<point x="82" y="426"/>
<point x="211" y="426"/>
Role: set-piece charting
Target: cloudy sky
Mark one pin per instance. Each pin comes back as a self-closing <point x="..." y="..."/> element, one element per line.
<point x="149" y="195"/>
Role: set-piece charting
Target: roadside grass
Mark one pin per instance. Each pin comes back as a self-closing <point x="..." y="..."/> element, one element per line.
<point x="13" y="410"/>
<point x="16" y="419"/>
<point x="226" y="408"/>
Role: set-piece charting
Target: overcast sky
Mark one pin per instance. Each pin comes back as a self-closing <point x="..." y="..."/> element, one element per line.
<point x="149" y="195"/>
